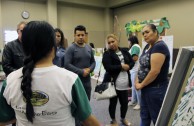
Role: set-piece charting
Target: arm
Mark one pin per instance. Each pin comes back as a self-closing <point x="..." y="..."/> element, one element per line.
<point x="108" y="65"/>
<point x="128" y="60"/>
<point x="91" y="121"/>
<point x="92" y="62"/>
<point x="80" y="106"/>
<point x="131" y="61"/>
<point x="7" y="113"/>
<point x="7" y="60"/>
<point x="7" y="123"/>
<point x="157" y="60"/>
<point x="90" y="69"/>
<point x="135" y="51"/>
<point x="63" y="59"/>
<point x="69" y="60"/>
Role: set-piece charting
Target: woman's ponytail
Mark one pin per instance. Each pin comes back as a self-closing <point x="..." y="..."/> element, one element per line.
<point x="26" y="87"/>
<point x="38" y="40"/>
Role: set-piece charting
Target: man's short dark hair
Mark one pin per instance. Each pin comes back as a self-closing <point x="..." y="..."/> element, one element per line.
<point x="80" y="28"/>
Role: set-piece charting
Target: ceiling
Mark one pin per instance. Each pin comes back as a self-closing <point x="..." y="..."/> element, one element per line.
<point x="119" y="3"/>
<point x="94" y="3"/>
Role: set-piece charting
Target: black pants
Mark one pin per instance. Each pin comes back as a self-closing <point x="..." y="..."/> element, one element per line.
<point x="123" y="99"/>
<point x="88" y="90"/>
<point x="77" y="122"/>
<point x="87" y="85"/>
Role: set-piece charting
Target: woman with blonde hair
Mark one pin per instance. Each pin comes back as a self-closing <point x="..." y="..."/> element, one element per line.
<point x="117" y="63"/>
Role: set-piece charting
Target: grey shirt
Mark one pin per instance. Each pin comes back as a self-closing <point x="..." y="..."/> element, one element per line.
<point x="77" y="58"/>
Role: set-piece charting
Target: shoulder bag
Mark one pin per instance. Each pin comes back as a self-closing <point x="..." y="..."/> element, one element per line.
<point x="104" y="90"/>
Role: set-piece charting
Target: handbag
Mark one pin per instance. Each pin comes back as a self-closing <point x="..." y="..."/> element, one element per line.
<point x="104" y="90"/>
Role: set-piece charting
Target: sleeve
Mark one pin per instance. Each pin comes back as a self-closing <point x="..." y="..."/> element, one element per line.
<point x="6" y="111"/>
<point x="69" y="60"/>
<point x="63" y="58"/>
<point x="160" y="47"/>
<point x="63" y="62"/>
<point x="7" y="60"/>
<point x="135" y="51"/>
<point x="92" y="62"/>
<point x="108" y="65"/>
<point x="80" y="107"/>
<point x="131" y="63"/>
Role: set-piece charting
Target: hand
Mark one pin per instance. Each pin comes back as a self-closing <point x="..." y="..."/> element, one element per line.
<point x="86" y="72"/>
<point x="125" y="67"/>
<point x="138" y="86"/>
<point x="87" y="69"/>
<point x="7" y="123"/>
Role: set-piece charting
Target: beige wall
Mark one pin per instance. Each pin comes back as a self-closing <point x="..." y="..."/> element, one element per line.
<point x="11" y="13"/>
<point x="94" y="3"/>
<point x="93" y="18"/>
<point x="99" y="19"/>
<point x="52" y="12"/>
<point x="64" y="15"/>
<point x="179" y="13"/>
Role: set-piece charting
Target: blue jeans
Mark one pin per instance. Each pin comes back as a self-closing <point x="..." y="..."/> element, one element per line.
<point x="151" y="102"/>
<point x="136" y="94"/>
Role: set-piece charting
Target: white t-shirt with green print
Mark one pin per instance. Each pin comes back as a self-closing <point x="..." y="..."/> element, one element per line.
<point x="58" y="96"/>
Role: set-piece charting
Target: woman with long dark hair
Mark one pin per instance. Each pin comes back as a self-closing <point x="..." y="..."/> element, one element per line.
<point x="135" y="51"/>
<point x="59" y="59"/>
<point x="41" y="93"/>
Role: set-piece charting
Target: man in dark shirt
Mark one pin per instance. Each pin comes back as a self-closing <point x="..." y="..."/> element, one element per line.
<point x="79" y="58"/>
<point x="13" y="54"/>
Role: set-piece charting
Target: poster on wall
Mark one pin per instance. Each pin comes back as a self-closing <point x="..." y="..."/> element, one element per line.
<point x="178" y="105"/>
<point x="169" y="42"/>
<point x="184" y="114"/>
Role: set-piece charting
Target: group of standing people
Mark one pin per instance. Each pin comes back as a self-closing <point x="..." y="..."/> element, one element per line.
<point x="39" y="91"/>
<point x="148" y="77"/>
<point x="33" y="82"/>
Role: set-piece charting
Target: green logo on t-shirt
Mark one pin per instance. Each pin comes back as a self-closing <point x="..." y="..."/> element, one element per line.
<point x="39" y="98"/>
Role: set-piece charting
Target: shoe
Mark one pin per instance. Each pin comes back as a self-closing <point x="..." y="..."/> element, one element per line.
<point x="125" y="122"/>
<point x="131" y="104"/>
<point x="137" y="107"/>
<point x="113" y="123"/>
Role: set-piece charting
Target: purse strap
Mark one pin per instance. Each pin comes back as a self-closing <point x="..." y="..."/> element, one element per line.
<point x="100" y="68"/>
<point x="99" y="73"/>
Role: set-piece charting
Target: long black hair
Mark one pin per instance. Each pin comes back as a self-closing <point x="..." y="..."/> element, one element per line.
<point x="133" y="40"/>
<point x="62" y="42"/>
<point x="38" y="40"/>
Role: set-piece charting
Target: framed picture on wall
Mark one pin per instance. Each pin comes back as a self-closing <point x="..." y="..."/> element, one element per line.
<point x="178" y="105"/>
